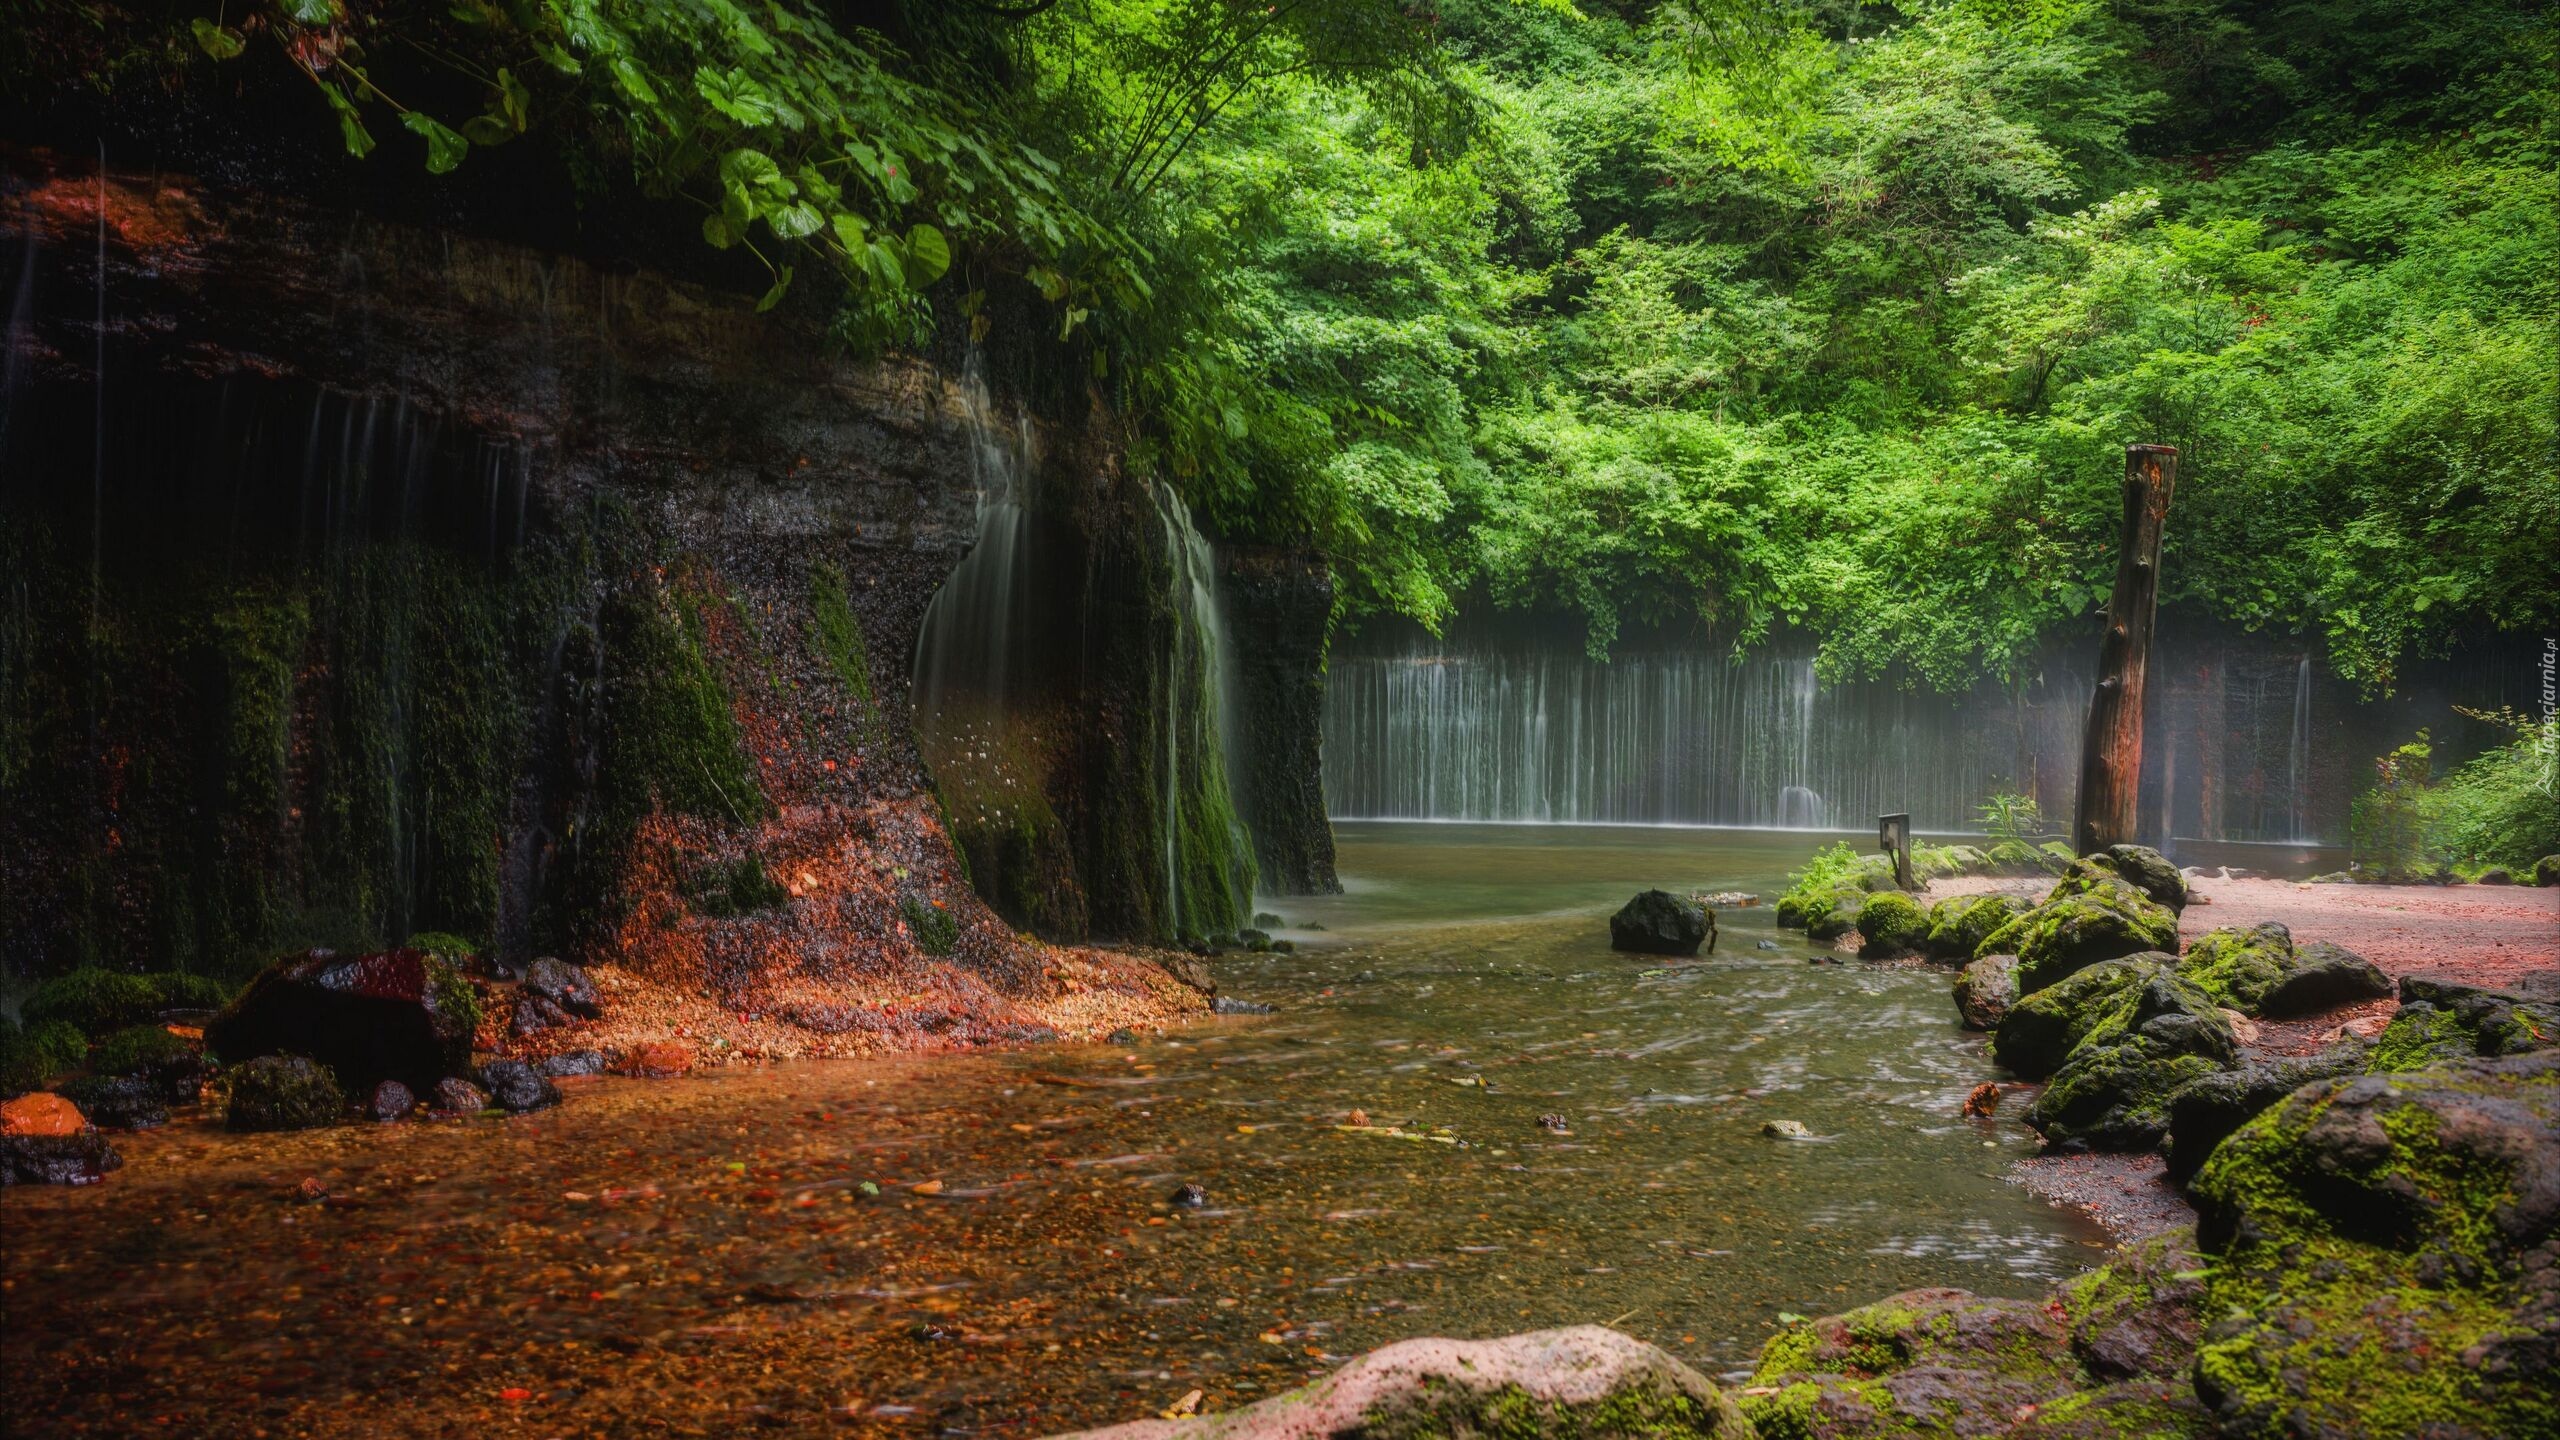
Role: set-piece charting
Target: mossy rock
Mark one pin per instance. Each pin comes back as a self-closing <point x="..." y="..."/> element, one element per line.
<point x="2385" y="1248"/>
<point x="97" y="1001"/>
<point x="2137" y="1316"/>
<point x="2150" y="872"/>
<point x="2041" y="1029"/>
<point x="32" y="1054"/>
<point x="92" y="1000"/>
<point x="2055" y="856"/>
<point x="2204" y="1114"/>
<point x="399" y="1015"/>
<point x="450" y="948"/>
<point x="1922" y="1363"/>
<point x="2239" y="967"/>
<point x="2115" y="1089"/>
<point x="282" y="1092"/>
<point x="138" y="1048"/>
<point x="1835" y="914"/>
<point x="1959" y="924"/>
<point x="2546" y="871"/>
<point x="2127" y="1410"/>
<point x="1986" y="990"/>
<point x="2449" y="1020"/>
<point x="1891" y="923"/>
<point x="2074" y="930"/>
<point x="1581" y="1383"/>
<point x="2013" y="857"/>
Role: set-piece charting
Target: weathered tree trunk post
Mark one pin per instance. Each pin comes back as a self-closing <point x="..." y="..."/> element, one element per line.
<point x="2111" y="753"/>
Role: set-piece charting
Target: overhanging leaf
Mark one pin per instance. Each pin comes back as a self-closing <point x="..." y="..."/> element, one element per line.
<point x="445" y="145"/>
<point x="219" y="41"/>
<point x="928" y="256"/>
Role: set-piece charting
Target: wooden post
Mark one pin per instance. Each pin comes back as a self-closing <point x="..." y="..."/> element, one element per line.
<point x="2111" y="752"/>
<point x="1893" y="836"/>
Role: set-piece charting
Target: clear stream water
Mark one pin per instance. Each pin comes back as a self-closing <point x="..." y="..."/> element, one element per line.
<point x="698" y="1257"/>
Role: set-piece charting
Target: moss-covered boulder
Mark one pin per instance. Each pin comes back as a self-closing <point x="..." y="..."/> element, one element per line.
<point x="2041" y="1030"/>
<point x="2127" y="1410"/>
<point x="2260" y="971"/>
<point x="1960" y="923"/>
<point x="2012" y="857"/>
<point x="32" y="1054"/>
<point x="2546" y="871"/>
<point x="1922" y="1363"/>
<point x="1986" y="990"/>
<point x="2150" y="872"/>
<point x="2136" y="1316"/>
<point x="2238" y="967"/>
<point x="2055" y="856"/>
<point x="1582" y="1383"/>
<point x="2387" y="1258"/>
<point x="2078" y="927"/>
<point x="1834" y="914"/>
<point x="2450" y="1020"/>
<point x="2114" y="1090"/>
<point x="281" y="1092"/>
<point x="399" y="1015"/>
<point x="2208" y="1111"/>
<point x="1891" y="923"/>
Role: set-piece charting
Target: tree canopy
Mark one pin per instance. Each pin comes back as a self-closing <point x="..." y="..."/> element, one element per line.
<point x="1761" y="315"/>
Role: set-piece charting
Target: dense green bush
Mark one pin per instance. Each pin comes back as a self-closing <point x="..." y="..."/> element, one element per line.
<point x="136" y="1048"/>
<point x="35" y="1053"/>
<point x="2500" y="809"/>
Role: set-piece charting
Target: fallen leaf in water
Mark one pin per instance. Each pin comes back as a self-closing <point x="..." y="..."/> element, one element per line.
<point x="929" y="1187"/>
<point x="1187" y="1405"/>
<point x="515" y="1395"/>
<point x="1359" y="1119"/>
<point x="1272" y="1337"/>
<point x="576" y="1195"/>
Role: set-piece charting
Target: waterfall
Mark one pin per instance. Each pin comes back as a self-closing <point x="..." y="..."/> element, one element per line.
<point x="1208" y="857"/>
<point x="964" y="653"/>
<point x="1491" y="729"/>
<point x="2297" y="765"/>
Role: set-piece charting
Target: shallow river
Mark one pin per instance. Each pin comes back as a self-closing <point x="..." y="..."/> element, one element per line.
<point x="699" y="1257"/>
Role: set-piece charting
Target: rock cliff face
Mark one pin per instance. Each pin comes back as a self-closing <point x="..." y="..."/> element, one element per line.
<point x="395" y="580"/>
<point x="1280" y="610"/>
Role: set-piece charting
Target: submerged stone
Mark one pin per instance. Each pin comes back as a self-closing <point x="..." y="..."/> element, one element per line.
<point x="400" y="1015"/>
<point x="572" y="1062"/>
<point x="454" y="1095"/>
<point x="1657" y="922"/>
<point x="390" y="1101"/>
<point x="1582" y="1383"/>
<point x="81" y="1158"/>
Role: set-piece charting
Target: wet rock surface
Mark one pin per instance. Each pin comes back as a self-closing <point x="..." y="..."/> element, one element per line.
<point x="516" y="1087"/>
<point x="81" y="1158"/>
<point x="1960" y="923"/>
<point x="564" y="985"/>
<point x="1580" y="1382"/>
<point x="399" y="1015"/>
<point x="1891" y="923"/>
<point x="2040" y="1031"/>
<point x="570" y="1063"/>
<point x="2092" y="917"/>
<point x="1657" y="922"/>
<point x="118" y="1102"/>
<point x="2443" y="1019"/>
<point x="390" y="1101"/>
<point x="2113" y="1091"/>
<point x="1925" y="1362"/>
<point x="2203" y="1114"/>
<point x="454" y="1095"/>
<point x="1986" y="990"/>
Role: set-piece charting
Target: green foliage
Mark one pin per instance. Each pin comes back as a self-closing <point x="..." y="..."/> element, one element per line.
<point x="1756" y="318"/>
<point x="930" y="923"/>
<point x="671" y="739"/>
<point x="452" y="949"/>
<point x="32" y="1055"/>
<point x="2499" y="809"/>
<point x="92" y="1000"/>
<point x="738" y="887"/>
<point x="136" y="1048"/>
<point x="2011" y="816"/>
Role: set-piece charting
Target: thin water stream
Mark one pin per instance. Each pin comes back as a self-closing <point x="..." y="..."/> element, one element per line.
<point x="697" y="1256"/>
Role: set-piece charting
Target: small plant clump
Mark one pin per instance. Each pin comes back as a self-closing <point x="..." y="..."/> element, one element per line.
<point x="932" y="925"/>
